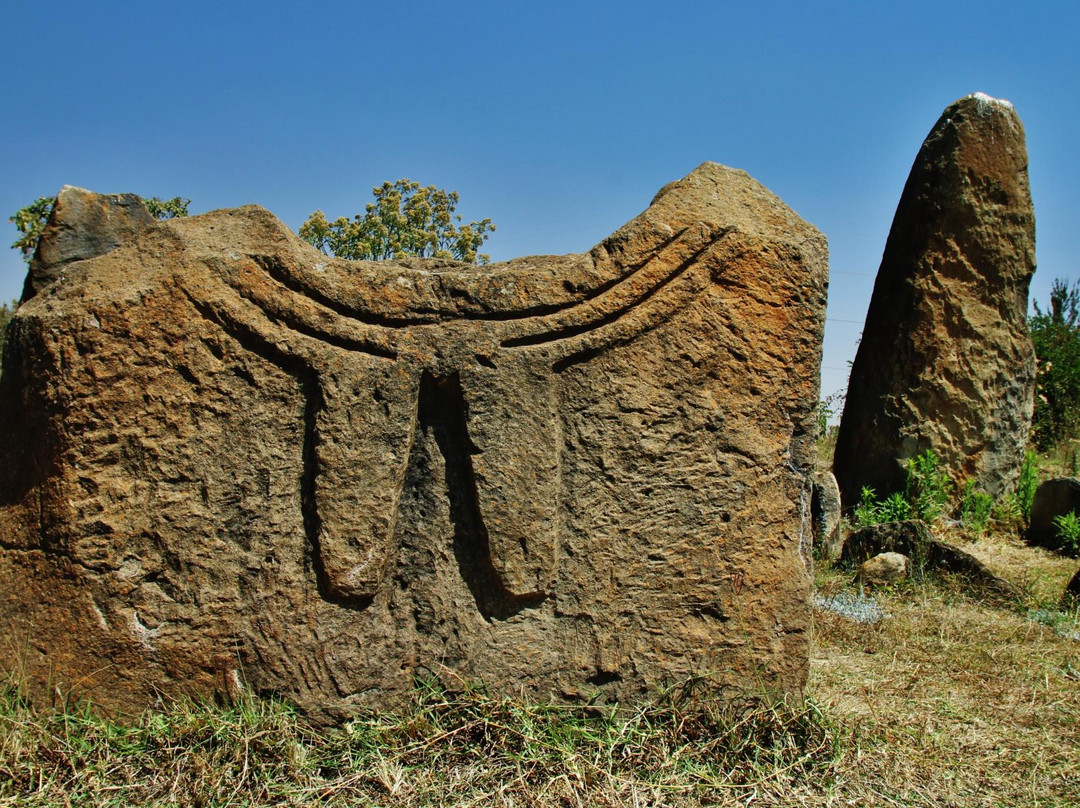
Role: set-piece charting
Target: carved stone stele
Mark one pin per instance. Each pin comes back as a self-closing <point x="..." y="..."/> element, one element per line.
<point x="230" y="461"/>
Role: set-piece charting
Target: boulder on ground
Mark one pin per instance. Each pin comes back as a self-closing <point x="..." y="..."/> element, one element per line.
<point x="945" y="361"/>
<point x="229" y="460"/>
<point x="1053" y="498"/>
<point x="1071" y="598"/>
<point x="884" y="568"/>
<point x="915" y="540"/>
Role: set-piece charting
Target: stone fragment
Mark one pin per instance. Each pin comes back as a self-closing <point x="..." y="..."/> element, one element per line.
<point x="83" y="225"/>
<point x="883" y="569"/>
<point x="945" y="361"/>
<point x="227" y="460"/>
<point x="1053" y="498"/>
<point x="825" y="510"/>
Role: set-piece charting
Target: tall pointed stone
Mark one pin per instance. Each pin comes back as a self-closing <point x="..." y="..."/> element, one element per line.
<point x="945" y="361"/>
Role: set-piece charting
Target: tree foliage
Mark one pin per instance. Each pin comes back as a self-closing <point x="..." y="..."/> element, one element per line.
<point x="30" y="220"/>
<point x="1056" y="337"/>
<point x="405" y="219"/>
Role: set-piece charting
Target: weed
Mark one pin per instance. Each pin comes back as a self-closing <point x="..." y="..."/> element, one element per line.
<point x="928" y="486"/>
<point x="926" y="492"/>
<point x="1028" y="482"/>
<point x="976" y="508"/>
<point x="1068" y="532"/>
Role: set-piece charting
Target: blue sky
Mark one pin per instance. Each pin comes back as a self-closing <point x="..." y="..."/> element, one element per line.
<point x="558" y="120"/>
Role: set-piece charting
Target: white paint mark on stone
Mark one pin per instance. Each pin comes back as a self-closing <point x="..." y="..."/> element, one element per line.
<point x="983" y="98"/>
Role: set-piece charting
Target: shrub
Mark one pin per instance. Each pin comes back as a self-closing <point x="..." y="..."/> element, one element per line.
<point x="1056" y="337"/>
<point x="928" y="486"/>
<point x="1068" y="533"/>
<point x="976" y="508"/>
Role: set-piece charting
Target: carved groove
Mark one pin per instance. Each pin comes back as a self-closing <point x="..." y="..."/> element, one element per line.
<point x="280" y="273"/>
<point x="569" y="331"/>
<point x="307" y="380"/>
<point x="441" y="411"/>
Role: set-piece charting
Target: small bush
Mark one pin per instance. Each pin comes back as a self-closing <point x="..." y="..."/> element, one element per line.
<point x="1056" y="337"/>
<point x="1068" y="533"/>
<point x="928" y="486"/>
<point x="976" y="508"/>
<point x="926" y="493"/>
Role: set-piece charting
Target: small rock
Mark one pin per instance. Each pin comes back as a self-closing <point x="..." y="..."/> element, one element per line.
<point x="884" y="568"/>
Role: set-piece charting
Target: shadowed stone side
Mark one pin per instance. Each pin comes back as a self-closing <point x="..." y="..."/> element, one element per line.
<point x="945" y="361"/>
<point x="230" y="461"/>
<point x="83" y="225"/>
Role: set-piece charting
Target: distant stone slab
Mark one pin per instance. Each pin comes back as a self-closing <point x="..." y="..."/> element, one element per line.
<point x="232" y="462"/>
<point x="945" y="361"/>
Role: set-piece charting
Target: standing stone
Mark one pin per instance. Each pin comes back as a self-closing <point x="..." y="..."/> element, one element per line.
<point x="230" y="461"/>
<point x="945" y="361"/>
<point x="825" y="509"/>
<point x="83" y="225"/>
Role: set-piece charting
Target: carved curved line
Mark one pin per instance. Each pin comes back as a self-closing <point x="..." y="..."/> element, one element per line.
<point x="618" y="333"/>
<point x="571" y="330"/>
<point x="274" y="309"/>
<point x="279" y="272"/>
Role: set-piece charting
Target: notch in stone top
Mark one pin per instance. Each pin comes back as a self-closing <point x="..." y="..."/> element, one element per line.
<point x="83" y="225"/>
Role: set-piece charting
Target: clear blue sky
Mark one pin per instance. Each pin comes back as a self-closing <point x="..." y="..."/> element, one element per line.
<point x="558" y="120"/>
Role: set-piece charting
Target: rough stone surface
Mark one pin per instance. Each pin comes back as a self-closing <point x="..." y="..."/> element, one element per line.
<point x="230" y="461"/>
<point x="83" y="225"/>
<point x="825" y="509"/>
<point x="945" y="361"/>
<point x="915" y="540"/>
<point x="884" y="568"/>
<point x="1052" y="499"/>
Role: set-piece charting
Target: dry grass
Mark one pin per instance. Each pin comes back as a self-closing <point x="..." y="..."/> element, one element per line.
<point x="950" y="701"/>
<point x="959" y="702"/>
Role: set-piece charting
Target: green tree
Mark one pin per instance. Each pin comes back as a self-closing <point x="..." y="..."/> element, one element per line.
<point x="1056" y="337"/>
<point x="30" y="220"/>
<point x="405" y="219"/>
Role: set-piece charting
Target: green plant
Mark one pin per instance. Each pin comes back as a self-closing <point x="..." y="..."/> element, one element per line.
<point x="976" y="508"/>
<point x="1028" y="482"/>
<point x="1056" y="337"/>
<point x="405" y="219"/>
<point x="928" y="486"/>
<point x="1068" y="532"/>
<point x="866" y="512"/>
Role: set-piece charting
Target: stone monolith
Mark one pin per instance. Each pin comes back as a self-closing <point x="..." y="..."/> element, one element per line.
<point x="945" y="361"/>
<point x="231" y="462"/>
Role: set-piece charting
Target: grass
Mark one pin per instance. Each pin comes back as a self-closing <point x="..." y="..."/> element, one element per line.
<point x="949" y="700"/>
